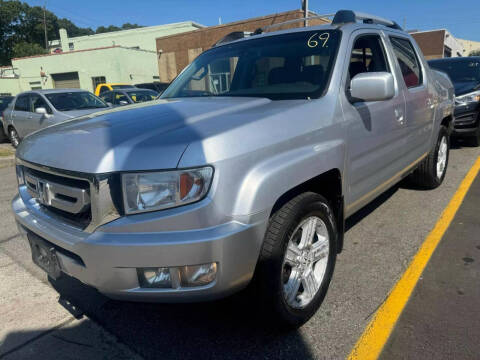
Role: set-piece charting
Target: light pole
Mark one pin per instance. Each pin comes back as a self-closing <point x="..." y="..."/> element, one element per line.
<point x="45" y="24"/>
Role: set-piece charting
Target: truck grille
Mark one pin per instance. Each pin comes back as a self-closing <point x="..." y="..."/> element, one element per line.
<point x="65" y="198"/>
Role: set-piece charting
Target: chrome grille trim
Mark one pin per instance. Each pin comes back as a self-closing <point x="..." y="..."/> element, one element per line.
<point x="66" y="198"/>
<point x="102" y="206"/>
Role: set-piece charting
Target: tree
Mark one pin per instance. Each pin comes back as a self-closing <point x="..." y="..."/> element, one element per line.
<point x="22" y="30"/>
<point x="72" y="29"/>
<point x="24" y="48"/>
<point x="474" y="53"/>
<point x="111" y="28"/>
<point x="103" y="29"/>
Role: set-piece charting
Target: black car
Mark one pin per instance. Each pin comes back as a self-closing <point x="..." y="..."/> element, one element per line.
<point x="128" y="96"/>
<point x="156" y="86"/>
<point x="4" y="101"/>
<point x="465" y="75"/>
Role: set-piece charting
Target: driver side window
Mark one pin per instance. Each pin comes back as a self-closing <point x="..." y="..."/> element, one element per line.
<point x="368" y="55"/>
<point x="39" y="102"/>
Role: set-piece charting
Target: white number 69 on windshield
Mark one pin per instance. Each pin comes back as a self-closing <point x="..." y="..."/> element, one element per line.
<point x="322" y="37"/>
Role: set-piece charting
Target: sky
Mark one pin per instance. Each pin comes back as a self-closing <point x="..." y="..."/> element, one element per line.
<point x="462" y="21"/>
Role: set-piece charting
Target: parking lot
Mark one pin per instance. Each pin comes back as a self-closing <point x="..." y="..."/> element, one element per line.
<point x="380" y="242"/>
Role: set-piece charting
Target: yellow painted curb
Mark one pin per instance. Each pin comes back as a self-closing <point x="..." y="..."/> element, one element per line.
<point x="375" y="335"/>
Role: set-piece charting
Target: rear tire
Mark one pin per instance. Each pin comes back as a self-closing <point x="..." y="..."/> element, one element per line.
<point x="13" y="136"/>
<point x="432" y="170"/>
<point x="297" y="260"/>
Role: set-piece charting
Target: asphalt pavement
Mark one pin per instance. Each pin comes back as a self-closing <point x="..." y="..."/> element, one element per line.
<point x="380" y="242"/>
<point x="442" y="317"/>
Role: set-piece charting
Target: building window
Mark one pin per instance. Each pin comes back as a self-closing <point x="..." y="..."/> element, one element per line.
<point x="71" y="46"/>
<point x="97" y="80"/>
<point x="447" y="52"/>
<point x="36" y="85"/>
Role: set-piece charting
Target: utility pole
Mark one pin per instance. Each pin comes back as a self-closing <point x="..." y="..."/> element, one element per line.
<point x="305" y="10"/>
<point x="45" y="24"/>
<point x="404" y="23"/>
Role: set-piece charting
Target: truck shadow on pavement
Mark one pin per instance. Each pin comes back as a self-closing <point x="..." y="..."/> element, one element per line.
<point x="225" y="329"/>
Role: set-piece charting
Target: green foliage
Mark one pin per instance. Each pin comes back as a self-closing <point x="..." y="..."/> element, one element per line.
<point x="126" y="26"/>
<point x="22" y="30"/>
<point x="474" y="53"/>
<point x="23" y="48"/>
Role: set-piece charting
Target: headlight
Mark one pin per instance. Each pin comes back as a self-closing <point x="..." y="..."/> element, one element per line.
<point x="149" y="191"/>
<point x="468" y="98"/>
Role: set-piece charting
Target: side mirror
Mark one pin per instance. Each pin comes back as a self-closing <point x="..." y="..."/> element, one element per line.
<point x="373" y="86"/>
<point x="123" y="102"/>
<point x="41" y="110"/>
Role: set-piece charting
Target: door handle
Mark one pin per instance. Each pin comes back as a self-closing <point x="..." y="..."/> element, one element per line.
<point x="430" y="103"/>
<point x="399" y="116"/>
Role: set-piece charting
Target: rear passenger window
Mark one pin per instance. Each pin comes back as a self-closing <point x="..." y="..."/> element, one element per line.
<point x="22" y="103"/>
<point x="408" y="61"/>
<point x="368" y="55"/>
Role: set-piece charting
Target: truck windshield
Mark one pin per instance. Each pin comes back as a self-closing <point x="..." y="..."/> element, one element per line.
<point x="459" y="70"/>
<point x="289" y="66"/>
<point x="77" y="100"/>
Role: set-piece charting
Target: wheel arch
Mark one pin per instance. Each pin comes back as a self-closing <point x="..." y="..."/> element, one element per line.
<point x="327" y="184"/>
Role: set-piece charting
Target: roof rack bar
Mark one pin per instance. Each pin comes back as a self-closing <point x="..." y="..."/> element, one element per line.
<point x="349" y="16"/>
<point x="260" y="30"/>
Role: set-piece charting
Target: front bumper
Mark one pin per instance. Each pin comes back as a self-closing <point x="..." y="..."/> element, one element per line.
<point x="107" y="260"/>
<point x="466" y="120"/>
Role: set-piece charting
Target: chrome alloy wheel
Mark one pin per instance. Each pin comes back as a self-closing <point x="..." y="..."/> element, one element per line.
<point x="442" y="157"/>
<point x="305" y="262"/>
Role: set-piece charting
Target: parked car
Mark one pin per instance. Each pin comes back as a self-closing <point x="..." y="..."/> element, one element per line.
<point x="128" y="96"/>
<point x="102" y="88"/>
<point x="4" y="101"/>
<point x="33" y="110"/>
<point x="465" y="75"/>
<point x="239" y="179"/>
<point x="155" y="86"/>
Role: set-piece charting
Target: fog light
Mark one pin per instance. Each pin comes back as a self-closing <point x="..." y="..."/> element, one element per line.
<point x="198" y="275"/>
<point x="177" y="277"/>
<point x="155" y="278"/>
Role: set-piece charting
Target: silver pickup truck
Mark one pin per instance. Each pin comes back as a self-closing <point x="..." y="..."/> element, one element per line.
<point x="243" y="172"/>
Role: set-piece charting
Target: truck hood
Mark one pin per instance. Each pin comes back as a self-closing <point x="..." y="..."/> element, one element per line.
<point x="464" y="87"/>
<point x="145" y="136"/>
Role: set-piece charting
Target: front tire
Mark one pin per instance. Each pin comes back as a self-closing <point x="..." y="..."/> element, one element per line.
<point x="297" y="259"/>
<point x="432" y="170"/>
<point x="13" y="136"/>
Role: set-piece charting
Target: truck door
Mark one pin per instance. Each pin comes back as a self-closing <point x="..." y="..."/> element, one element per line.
<point x="419" y="115"/>
<point x="376" y="129"/>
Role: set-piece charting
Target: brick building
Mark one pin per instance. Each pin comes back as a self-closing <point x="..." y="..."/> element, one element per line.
<point x="175" y="52"/>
